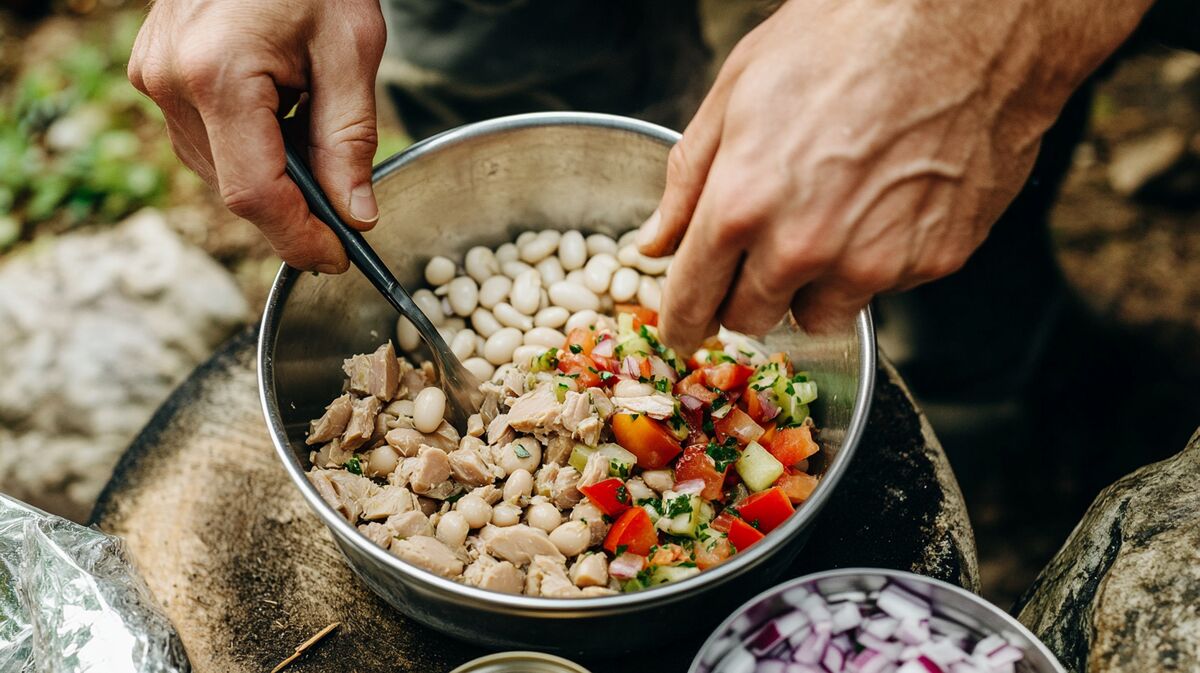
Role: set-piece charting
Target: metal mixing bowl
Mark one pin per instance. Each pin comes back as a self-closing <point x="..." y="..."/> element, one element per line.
<point x="482" y="184"/>
<point x="953" y="603"/>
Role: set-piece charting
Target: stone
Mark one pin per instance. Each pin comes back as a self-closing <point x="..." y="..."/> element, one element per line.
<point x="246" y="571"/>
<point x="96" y="328"/>
<point x="1121" y="596"/>
<point x="1138" y="162"/>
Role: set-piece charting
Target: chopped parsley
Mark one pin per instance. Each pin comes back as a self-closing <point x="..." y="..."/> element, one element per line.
<point x="718" y="403"/>
<point x="576" y="348"/>
<point x="618" y="469"/>
<point x="622" y="495"/>
<point x="662" y="385"/>
<point x="708" y="426"/>
<point x="723" y="455"/>
<point x="679" y="505"/>
<point x="520" y="449"/>
<point x="604" y="376"/>
<point x="456" y="497"/>
<point x="354" y="466"/>
<point x="652" y="502"/>
<point x="621" y="549"/>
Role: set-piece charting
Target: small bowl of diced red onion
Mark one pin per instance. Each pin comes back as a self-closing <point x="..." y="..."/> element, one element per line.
<point x="870" y="620"/>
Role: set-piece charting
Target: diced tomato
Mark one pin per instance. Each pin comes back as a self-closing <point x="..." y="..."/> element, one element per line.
<point x="768" y="436"/>
<point x="693" y="384"/>
<point x="739" y="425"/>
<point x="742" y="535"/>
<point x="641" y="315"/>
<point x="652" y="442"/>
<point x="798" y="486"/>
<point x="668" y="555"/>
<point x="695" y="463"/>
<point x="784" y="360"/>
<point x="722" y="522"/>
<point x="712" y="552"/>
<point x="608" y="495"/>
<point x="727" y="376"/>
<point x="582" y="337"/>
<point x="580" y="367"/>
<point x="792" y="445"/>
<point x="695" y="425"/>
<point x="634" y="531"/>
<point x="767" y="508"/>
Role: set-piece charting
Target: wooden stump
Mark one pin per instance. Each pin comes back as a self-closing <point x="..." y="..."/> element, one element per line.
<point x="246" y="571"/>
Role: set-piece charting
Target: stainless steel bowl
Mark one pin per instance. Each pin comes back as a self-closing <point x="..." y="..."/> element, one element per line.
<point x="953" y="603"/>
<point x="482" y="184"/>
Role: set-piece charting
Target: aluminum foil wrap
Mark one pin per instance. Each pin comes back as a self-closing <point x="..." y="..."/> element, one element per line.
<point x="70" y="601"/>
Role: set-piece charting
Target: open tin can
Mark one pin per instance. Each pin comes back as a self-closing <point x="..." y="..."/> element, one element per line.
<point x="520" y="662"/>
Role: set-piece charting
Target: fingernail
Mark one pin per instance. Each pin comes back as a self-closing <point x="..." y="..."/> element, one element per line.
<point x="326" y="268"/>
<point x="362" y="204"/>
<point x="648" y="232"/>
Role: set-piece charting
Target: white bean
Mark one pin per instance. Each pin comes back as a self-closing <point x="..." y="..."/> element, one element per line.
<point x="624" y="284"/>
<point x="505" y="253"/>
<point x="627" y="238"/>
<point x="523" y="355"/>
<point x="628" y="255"/>
<point x="439" y="271"/>
<point x="463" y="296"/>
<point x="484" y="322"/>
<point x="514" y="269"/>
<point x="538" y="249"/>
<point x="511" y="317"/>
<point x="571" y="538"/>
<point x="632" y="388"/>
<point x="546" y="337"/>
<point x="381" y="461"/>
<point x="523" y="453"/>
<point x="463" y="344"/>
<point x="572" y="250"/>
<point x="407" y="335"/>
<point x="551" y="270"/>
<point x="649" y="294"/>
<point x="428" y="409"/>
<point x="599" y="271"/>
<point x="482" y="369"/>
<point x="525" y="238"/>
<point x="652" y="266"/>
<point x="454" y="323"/>
<point x="452" y="529"/>
<point x="583" y="319"/>
<point x="543" y="515"/>
<point x="479" y="341"/>
<point x="494" y="290"/>
<point x="446" y="308"/>
<point x="474" y="509"/>
<point x="429" y="305"/>
<point x="500" y="346"/>
<point x="599" y="243"/>
<point x="577" y="276"/>
<point x="518" y="485"/>
<point x="551" y="316"/>
<point x="481" y="263"/>
<point x="448" y="333"/>
<point x="525" y="293"/>
<point x="505" y="514"/>
<point x="573" y="297"/>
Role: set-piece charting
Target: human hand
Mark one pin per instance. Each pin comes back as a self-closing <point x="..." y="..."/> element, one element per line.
<point x="852" y="148"/>
<point x="224" y="71"/>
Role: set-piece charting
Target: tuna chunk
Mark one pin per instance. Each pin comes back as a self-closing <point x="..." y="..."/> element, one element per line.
<point x="559" y="484"/>
<point x="362" y="422"/>
<point x="409" y="524"/>
<point x="332" y="423"/>
<point x="594" y="518"/>
<point x="536" y="410"/>
<point x="408" y="442"/>
<point x="514" y="382"/>
<point x="575" y="408"/>
<point x="431" y="468"/>
<point x="488" y="573"/>
<point x="604" y="406"/>
<point x="558" y="449"/>
<point x="428" y="553"/>
<point x="376" y="374"/>
<point x="591" y="570"/>
<point x="412" y="380"/>
<point x="475" y="427"/>
<point x="518" y="543"/>
<point x="389" y="501"/>
<point x="344" y="491"/>
<point x="589" y="429"/>
<point x="547" y="576"/>
<point x="378" y="533"/>
<point x="468" y="467"/>
<point x="499" y="433"/>
<point x="655" y="406"/>
<point x="595" y="470"/>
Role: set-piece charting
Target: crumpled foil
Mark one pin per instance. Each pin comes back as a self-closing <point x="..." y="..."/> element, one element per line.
<point x="71" y="602"/>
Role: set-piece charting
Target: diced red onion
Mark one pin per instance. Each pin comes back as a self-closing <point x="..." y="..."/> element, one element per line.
<point x="901" y="603"/>
<point x="738" y="660"/>
<point x="631" y="367"/>
<point x="691" y="486"/>
<point x="795" y="596"/>
<point x="845" y="617"/>
<point x="920" y="665"/>
<point x="842" y="642"/>
<point x="717" y="649"/>
<point x="881" y="626"/>
<point x="888" y="648"/>
<point x="626" y="566"/>
<point x="868" y="661"/>
<point x="817" y="610"/>
<point x="810" y="651"/>
<point x="691" y="403"/>
<point x="767" y="401"/>
<point x="1007" y="654"/>
<point x="913" y="631"/>
<point x="988" y="645"/>
<point x="662" y="370"/>
<point x="605" y="347"/>
<point x="942" y="651"/>
<point x="834" y="659"/>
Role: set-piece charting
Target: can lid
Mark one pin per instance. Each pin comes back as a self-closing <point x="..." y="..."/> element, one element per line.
<point x="520" y="662"/>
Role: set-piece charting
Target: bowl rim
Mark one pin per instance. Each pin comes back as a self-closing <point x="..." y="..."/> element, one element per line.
<point x="889" y="574"/>
<point x="670" y="592"/>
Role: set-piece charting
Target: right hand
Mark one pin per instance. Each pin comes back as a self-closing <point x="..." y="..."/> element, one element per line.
<point x="217" y="69"/>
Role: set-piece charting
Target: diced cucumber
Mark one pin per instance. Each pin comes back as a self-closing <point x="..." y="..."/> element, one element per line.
<point x="562" y="384"/>
<point x="579" y="456"/>
<point x="545" y="362"/>
<point x="664" y="574"/>
<point x="620" y="461"/>
<point x="690" y="511"/>
<point x="625" y="326"/>
<point x="634" y="345"/>
<point x="758" y="468"/>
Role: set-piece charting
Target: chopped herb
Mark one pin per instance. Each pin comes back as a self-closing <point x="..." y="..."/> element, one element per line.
<point x="604" y="376"/>
<point x="643" y="379"/>
<point x="622" y="495"/>
<point x="593" y="370"/>
<point x="723" y="455"/>
<point x="571" y="376"/>
<point x="753" y="524"/>
<point x="687" y="564"/>
<point x="652" y="502"/>
<point x="679" y="505"/>
<point x="606" y="518"/>
<point x="708" y="426"/>
<point x="791" y="390"/>
<point x="456" y="497"/>
<point x="618" y="469"/>
<point x="621" y="549"/>
<point x="719" y="402"/>
<point x="677" y="422"/>
<point x="576" y="348"/>
<point x="520" y="450"/>
<point x="662" y="385"/>
<point x="746" y="353"/>
<point x="634" y="417"/>
<point x="354" y="466"/>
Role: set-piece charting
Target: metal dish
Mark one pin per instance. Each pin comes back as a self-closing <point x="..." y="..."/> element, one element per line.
<point x="948" y="601"/>
<point x="481" y="184"/>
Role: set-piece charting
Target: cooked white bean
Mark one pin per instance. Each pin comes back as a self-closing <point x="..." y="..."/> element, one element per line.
<point x="632" y="388"/>
<point x="628" y="256"/>
<point x="538" y="249"/>
<point x="551" y="316"/>
<point x="463" y="344"/>
<point x="523" y="355"/>
<point x="494" y="290"/>
<point x="505" y="514"/>
<point x="577" y="276"/>
<point x="485" y="323"/>
<point x="571" y="538"/>
<point x="624" y="284"/>
<point x="598" y="272"/>
<point x="447" y="333"/>
<point x="659" y="480"/>
<point x="544" y="299"/>
<point x="652" y="266"/>
<point x="511" y="317"/>
<point x="518" y="485"/>
<point x="430" y="305"/>
<point x="523" y="453"/>
<point x="439" y="271"/>
<point x="481" y="263"/>
<point x="572" y="250"/>
<point x="514" y="269"/>
<point x="525" y="238"/>
<point x="454" y="323"/>
<point x="546" y="337"/>
<point x="627" y="238"/>
<point x="582" y="319"/>
<point x="500" y="346"/>
<point x="440" y="291"/>
<point x="463" y="295"/>
<point x="649" y="294"/>
<point x="429" y="408"/>
<point x="474" y="509"/>
<point x="573" y="297"/>
<point x="452" y="529"/>
<point x="381" y="461"/>
<point x="446" y="308"/>
<point x="505" y="253"/>
<point x="599" y="243"/>
<point x="479" y="342"/>
<point x="543" y="515"/>
<point x="407" y="335"/>
<point x="551" y="270"/>
<point x="482" y="369"/>
<point x="403" y="407"/>
<point x="525" y="293"/>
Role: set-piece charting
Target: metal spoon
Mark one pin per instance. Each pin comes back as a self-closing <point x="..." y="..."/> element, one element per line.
<point x="459" y="384"/>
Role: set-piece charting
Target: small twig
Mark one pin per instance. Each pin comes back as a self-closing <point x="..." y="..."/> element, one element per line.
<point x="305" y="645"/>
<point x="269" y="601"/>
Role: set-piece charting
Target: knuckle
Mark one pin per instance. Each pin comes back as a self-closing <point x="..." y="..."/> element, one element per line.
<point x="868" y="274"/>
<point x="199" y="71"/>
<point x="940" y="265"/>
<point x="152" y="78"/>
<point x="242" y="200"/>
<point x="368" y="32"/>
<point x="677" y="164"/>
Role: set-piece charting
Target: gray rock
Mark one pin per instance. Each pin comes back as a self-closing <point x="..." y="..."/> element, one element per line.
<point x="1121" y="596"/>
<point x="96" y="328"/>
<point x="1137" y="162"/>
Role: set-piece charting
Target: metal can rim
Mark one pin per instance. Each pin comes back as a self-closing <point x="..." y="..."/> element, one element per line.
<point x="485" y="664"/>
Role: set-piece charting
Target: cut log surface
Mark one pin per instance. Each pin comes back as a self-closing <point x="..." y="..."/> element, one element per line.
<point x="246" y="571"/>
